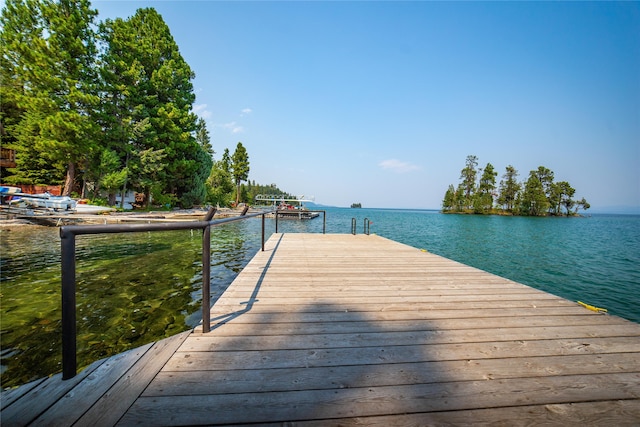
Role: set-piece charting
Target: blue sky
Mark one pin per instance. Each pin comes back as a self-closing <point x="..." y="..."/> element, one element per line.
<point x="381" y="102"/>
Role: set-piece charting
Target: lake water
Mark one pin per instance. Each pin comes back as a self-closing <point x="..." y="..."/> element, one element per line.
<point x="137" y="288"/>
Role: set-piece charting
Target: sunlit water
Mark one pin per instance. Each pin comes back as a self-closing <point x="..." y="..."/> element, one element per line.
<point x="137" y="288"/>
<point x="131" y="289"/>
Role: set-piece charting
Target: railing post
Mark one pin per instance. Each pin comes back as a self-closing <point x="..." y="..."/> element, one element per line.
<point x="353" y="226"/>
<point x="276" y="214"/>
<point x="262" y="232"/>
<point x="206" y="272"/>
<point x="68" y="275"/>
<point x="68" y="266"/>
<point x="206" y="279"/>
<point x="324" y="222"/>
<point x="365" y="227"/>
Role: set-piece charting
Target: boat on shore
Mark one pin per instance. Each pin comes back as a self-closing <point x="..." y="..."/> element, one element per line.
<point x="87" y="209"/>
<point x="44" y="200"/>
<point x="45" y="203"/>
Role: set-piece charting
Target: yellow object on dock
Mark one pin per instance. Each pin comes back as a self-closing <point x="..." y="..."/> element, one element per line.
<point x="592" y="307"/>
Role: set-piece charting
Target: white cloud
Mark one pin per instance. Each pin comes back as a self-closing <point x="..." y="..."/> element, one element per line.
<point x="245" y="111"/>
<point x="201" y="111"/>
<point x="233" y="127"/>
<point x="397" y="166"/>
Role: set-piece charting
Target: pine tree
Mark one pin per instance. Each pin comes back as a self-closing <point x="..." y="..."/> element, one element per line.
<point x="534" y="200"/>
<point x="468" y="176"/>
<point x="509" y="189"/>
<point x="239" y="167"/>
<point x="146" y="77"/>
<point x="486" y="189"/>
<point x="449" y="202"/>
<point x="49" y="49"/>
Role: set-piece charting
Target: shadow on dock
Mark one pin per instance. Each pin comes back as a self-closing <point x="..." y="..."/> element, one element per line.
<point x="359" y="330"/>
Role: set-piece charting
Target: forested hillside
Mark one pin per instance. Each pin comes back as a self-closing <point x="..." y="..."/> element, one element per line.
<point x="106" y="107"/>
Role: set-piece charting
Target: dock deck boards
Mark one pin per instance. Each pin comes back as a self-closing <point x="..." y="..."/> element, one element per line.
<point x="361" y="330"/>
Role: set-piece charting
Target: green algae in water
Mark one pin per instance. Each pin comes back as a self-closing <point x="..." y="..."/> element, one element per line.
<point x="131" y="289"/>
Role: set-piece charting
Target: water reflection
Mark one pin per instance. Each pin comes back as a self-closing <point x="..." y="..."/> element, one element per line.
<point x="131" y="289"/>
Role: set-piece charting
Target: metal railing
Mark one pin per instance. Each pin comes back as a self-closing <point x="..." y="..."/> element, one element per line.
<point x="68" y="235"/>
<point x="366" y="228"/>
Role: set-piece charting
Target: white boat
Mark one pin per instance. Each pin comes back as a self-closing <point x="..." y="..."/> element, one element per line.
<point x="83" y="208"/>
<point x="44" y="200"/>
<point x="9" y="191"/>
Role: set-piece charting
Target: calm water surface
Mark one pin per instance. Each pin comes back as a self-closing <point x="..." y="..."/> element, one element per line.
<point x="131" y="289"/>
<point x="136" y="288"/>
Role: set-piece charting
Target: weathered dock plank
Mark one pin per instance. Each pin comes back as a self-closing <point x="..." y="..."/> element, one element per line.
<point x="360" y="330"/>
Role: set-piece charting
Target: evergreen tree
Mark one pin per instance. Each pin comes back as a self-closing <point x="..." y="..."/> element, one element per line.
<point x="545" y="176"/>
<point x="468" y="176"/>
<point x="449" y="202"/>
<point x="534" y="200"/>
<point x="49" y="49"/>
<point x="509" y="189"/>
<point x="16" y="29"/>
<point x="219" y="184"/>
<point x="202" y="136"/>
<point x="225" y="162"/>
<point x="561" y="194"/>
<point x="146" y="77"/>
<point x="239" y="167"/>
<point x="486" y="189"/>
<point x="582" y="203"/>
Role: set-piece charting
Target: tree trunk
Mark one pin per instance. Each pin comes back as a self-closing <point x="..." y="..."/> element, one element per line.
<point x="124" y="185"/>
<point x="71" y="176"/>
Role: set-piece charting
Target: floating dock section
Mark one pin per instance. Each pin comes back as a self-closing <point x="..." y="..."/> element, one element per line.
<point x="360" y="330"/>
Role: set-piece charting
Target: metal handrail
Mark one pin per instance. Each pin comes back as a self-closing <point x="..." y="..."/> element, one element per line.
<point x="68" y="235"/>
<point x="366" y="226"/>
<point x="353" y="226"/>
<point x="284" y="212"/>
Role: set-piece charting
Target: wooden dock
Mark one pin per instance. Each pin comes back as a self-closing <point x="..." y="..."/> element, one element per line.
<point x="360" y="330"/>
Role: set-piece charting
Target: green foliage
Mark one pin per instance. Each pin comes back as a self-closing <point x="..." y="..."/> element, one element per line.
<point x="219" y="185"/>
<point x="48" y="51"/>
<point x="483" y="198"/>
<point x="239" y="168"/>
<point x="114" y="180"/>
<point x="538" y="196"/>
<point x="146" y="78"/>
<point x="449" y="202"/>
<point x="534" y="200"/>
<point x="509" y="189"/>
<point x="203" y="138"/>
<point x="67" y="97"/>
<point x="468" y="180"/>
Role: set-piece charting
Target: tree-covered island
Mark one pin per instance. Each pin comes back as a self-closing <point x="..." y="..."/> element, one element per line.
<point x="103" y="108"/>
<point x="539" y="195"/>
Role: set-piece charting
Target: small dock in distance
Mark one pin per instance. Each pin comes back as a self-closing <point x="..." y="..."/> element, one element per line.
<point x="360" y="330"/>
